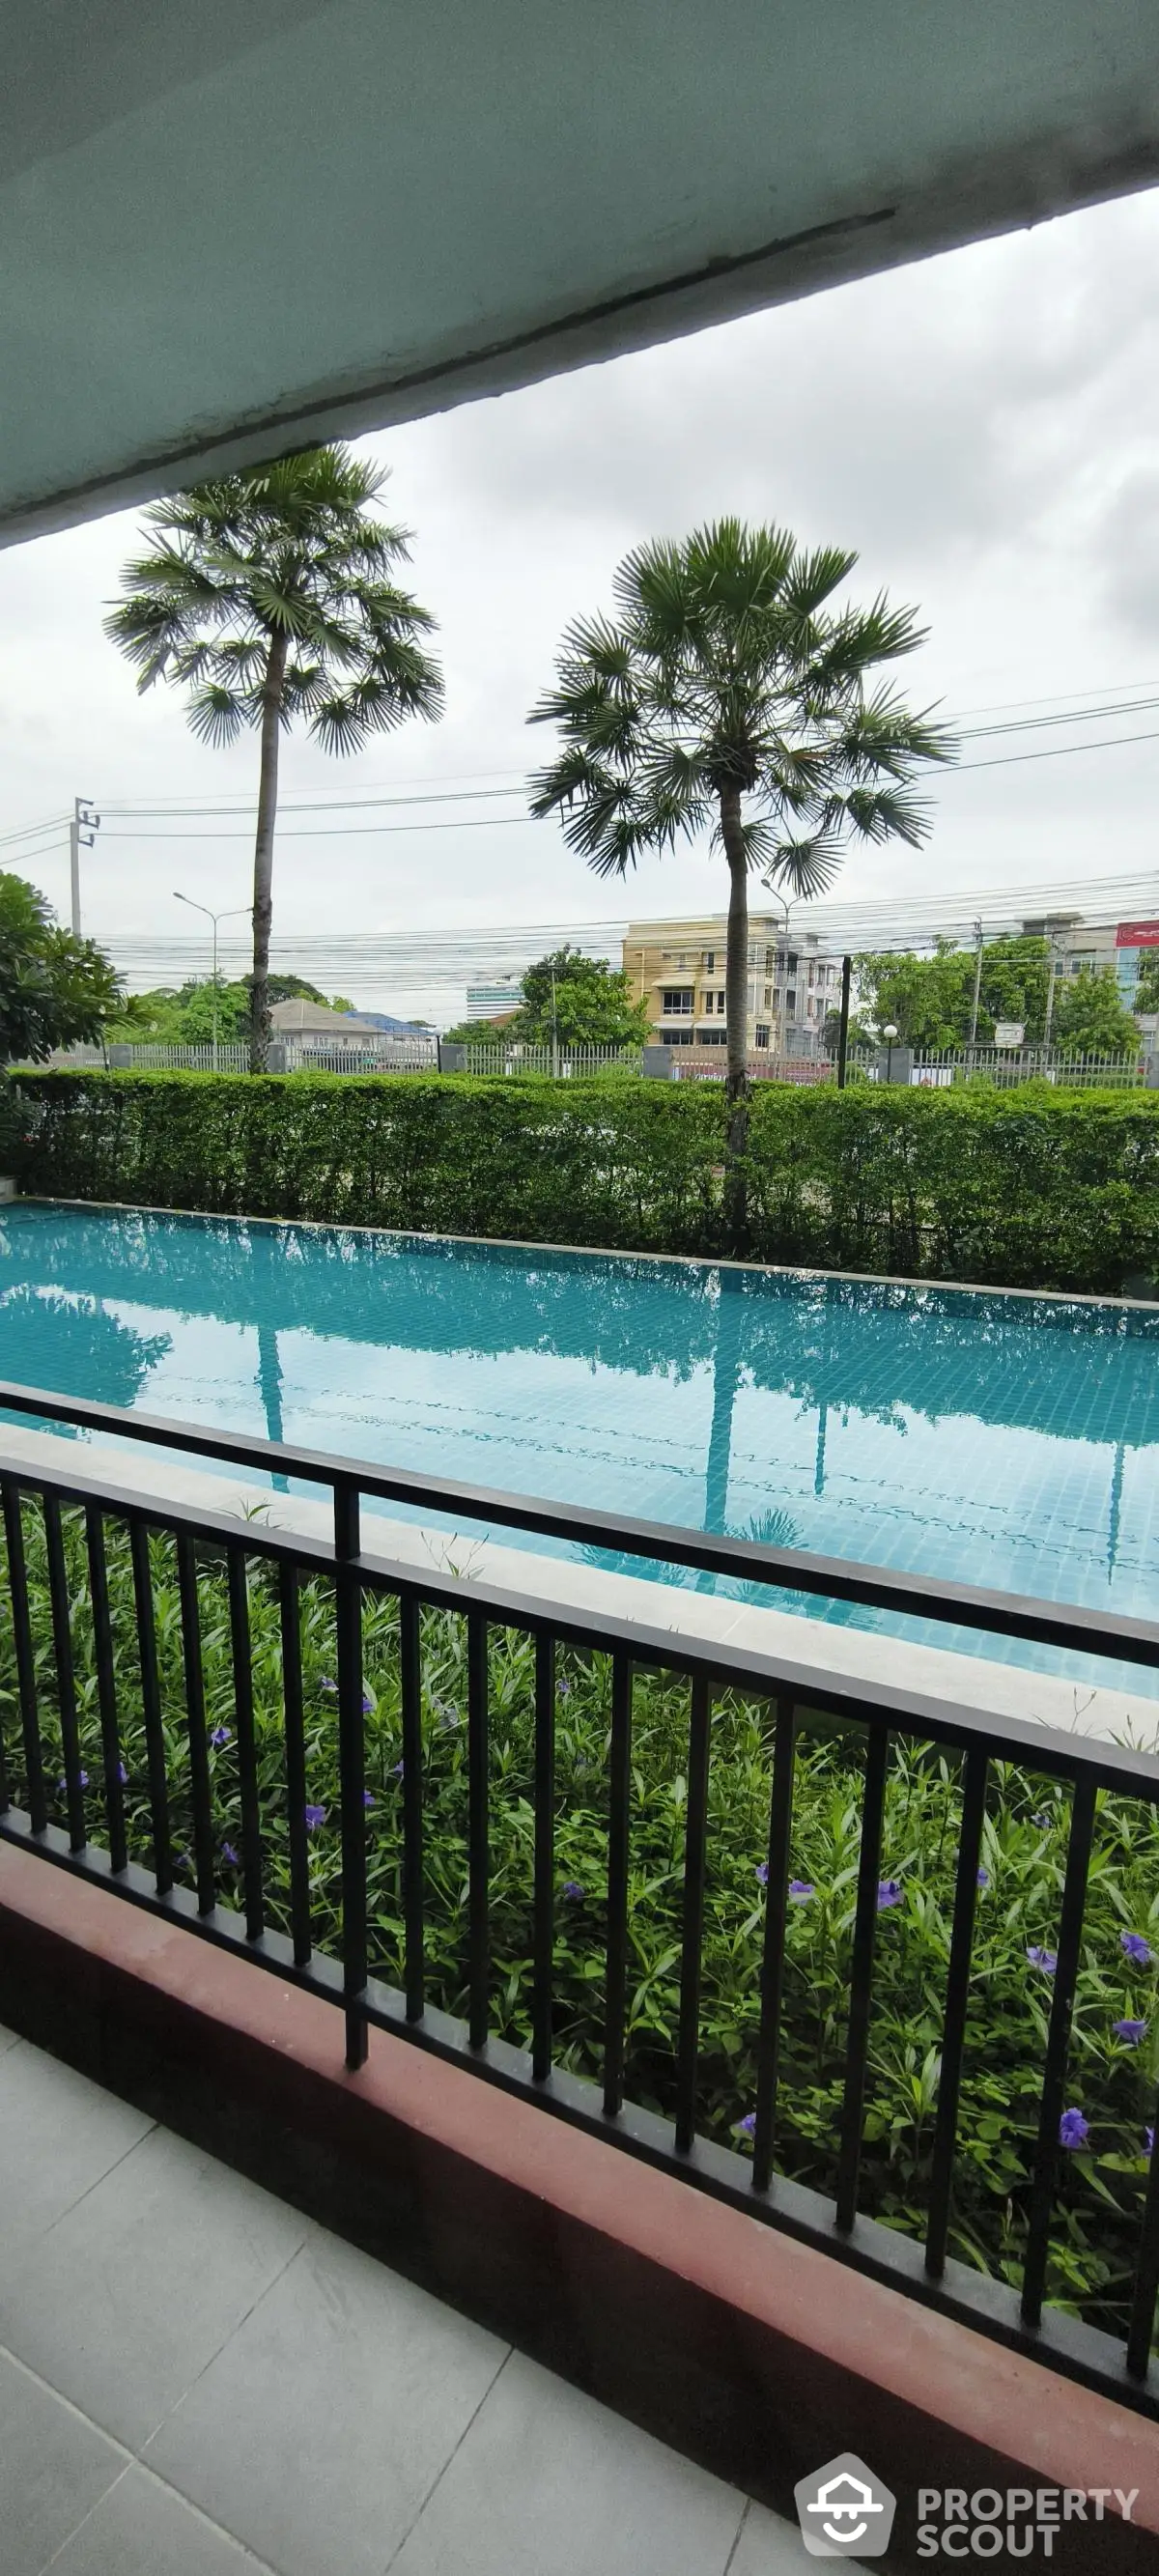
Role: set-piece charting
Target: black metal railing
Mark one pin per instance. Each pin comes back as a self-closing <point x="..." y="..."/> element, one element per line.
<point x="39" y="1493"/>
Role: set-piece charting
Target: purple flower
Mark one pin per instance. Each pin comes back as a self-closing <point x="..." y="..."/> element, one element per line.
<point x="748" y="2124"/>
<point x="398" y="1771"/>
<point x="367" y="1704"/>
<point x="331" y="1688"/>
<point x="1043" y="1818"/>
<point x="122" y="1775"/>
<point x="368" y="1797"/>
<point x="801" y="1889"/>
<point x="82" y="1780"/>
<point x="314" y="1816"/>
<point x="1149" y="2136"/>
<point x="983" y="1878"/>
<point x="1047" y="1960"/>
<point x="565" y="1690"/>
<point x="1073" y="2130"/>
<point x="572" y="1888"/>
<point x="220" y="1736"/>
<point x="228" y="1853"/>
<point x="888" y="1893"/>
<point x="763" y="1872"/>
<point x="1136" y="1948"/>
<point x="1131" y="2031"/>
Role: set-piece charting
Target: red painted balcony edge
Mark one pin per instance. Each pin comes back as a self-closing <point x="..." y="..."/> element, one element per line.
<point x="754" y="2354"/>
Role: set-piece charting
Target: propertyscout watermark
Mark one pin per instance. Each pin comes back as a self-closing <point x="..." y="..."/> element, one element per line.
<point x="845" y="2511"/>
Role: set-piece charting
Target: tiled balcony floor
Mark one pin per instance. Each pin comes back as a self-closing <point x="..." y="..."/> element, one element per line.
<point x="197" y="2381"/>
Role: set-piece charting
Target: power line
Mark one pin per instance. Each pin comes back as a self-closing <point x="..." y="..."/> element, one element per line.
<point x="326" y="805"/>
<point x="443" y="960"/>
<point x="1077" y="715"/>
<point x="348" y="832"/>
<point x="1057" y="751"/>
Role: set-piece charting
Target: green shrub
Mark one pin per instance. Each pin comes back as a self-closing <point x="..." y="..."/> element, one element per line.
<point x="1034" y="1188"/>
<point x="13" y="1116"/>
<point x="1111" y="2079"/>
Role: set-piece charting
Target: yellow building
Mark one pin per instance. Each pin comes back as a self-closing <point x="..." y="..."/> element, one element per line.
<point x="677" y="969"/>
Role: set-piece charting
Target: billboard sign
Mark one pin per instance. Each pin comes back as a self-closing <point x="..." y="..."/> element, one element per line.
<point x="1137" y="934"/>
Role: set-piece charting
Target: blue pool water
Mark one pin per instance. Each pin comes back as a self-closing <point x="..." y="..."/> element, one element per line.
<point x="998" y="1440"/>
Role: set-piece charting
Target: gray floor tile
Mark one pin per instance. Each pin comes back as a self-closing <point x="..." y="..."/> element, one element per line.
<point x="324" y="2422"/>
<point x="142" y="2529"/>
<point x="53" y="2467"/>
<point x="58" y="2135"/>
<point x="8" y="2038"/>
<point x="548" y="2483"/>
<point x="124" y="2302"/>
<point x="770" y="2547"/>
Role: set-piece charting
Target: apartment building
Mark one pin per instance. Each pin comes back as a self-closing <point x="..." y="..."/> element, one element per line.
<point x="677" y="969"/>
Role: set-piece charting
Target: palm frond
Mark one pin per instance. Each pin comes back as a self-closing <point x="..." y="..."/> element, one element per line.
<point x="217" y="715"/>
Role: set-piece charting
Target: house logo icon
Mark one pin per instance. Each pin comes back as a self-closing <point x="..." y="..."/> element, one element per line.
<point x="844" y="2511"/>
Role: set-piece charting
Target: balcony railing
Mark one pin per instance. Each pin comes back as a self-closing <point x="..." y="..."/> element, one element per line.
<point x="81" y="1543"/>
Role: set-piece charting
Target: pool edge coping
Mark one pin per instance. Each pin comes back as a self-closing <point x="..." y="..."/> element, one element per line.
<point x="602" y="1252"/>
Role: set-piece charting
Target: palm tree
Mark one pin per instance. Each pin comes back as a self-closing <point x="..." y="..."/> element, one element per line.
<point x="728" y="694"/>
<point x="269" y="594"/>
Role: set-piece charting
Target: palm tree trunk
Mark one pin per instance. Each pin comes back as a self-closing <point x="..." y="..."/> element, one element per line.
<point x="264" y="850"/>
<point x="736" y="1006"/>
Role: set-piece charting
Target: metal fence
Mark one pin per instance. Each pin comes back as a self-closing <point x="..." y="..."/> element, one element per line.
<point x="936" y="1070"/>
<point x="1007" y="1066"/>
<point x="384" y="1054"/>
<point x="46" y="1502"/>
<point x="692" y="1065"/>
<point x="562" y="1061"/>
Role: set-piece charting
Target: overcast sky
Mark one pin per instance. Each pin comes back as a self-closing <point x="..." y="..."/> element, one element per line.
<point x="981" y="428"/>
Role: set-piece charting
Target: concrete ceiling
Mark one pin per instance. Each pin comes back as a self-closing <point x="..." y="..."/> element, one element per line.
<point x="229" y="227"/>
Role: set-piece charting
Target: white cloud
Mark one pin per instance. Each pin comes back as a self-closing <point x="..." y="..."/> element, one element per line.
<point x="981" y="428"/>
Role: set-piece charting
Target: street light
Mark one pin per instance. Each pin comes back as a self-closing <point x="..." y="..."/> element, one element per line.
<point x="214" y="917"/>
<point x="889" y="1033"/>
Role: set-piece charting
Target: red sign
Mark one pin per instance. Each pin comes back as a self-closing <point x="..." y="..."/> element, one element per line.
<point x="1137" y="934"/>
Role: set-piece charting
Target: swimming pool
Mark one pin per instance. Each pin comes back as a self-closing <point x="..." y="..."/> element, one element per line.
<point x="995" y="1439"/>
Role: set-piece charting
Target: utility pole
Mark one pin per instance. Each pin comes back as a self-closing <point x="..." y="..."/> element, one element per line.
<point x="843" y="1032"/>
<point x="554" y="1033"/>
<point x="1050" y="989"/>
<point x="82" y="833"/>
<point x="977" y="985"/>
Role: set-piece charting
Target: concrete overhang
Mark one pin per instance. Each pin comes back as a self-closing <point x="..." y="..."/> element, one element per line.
<point x="231" y="228"/>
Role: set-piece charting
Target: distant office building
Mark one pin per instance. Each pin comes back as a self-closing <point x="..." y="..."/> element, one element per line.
<point x="489" y="1001"/>
<point x="677" y="969"/>
<point x="1121" y="945"/>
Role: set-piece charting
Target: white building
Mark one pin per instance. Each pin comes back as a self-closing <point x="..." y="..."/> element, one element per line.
<point x="313" y="1025"/>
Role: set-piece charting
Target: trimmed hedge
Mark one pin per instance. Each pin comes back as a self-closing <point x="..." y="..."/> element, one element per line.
<point x="1027" y="1188"/>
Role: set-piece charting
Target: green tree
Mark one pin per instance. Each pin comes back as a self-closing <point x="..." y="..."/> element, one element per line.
<point x="196" y="1015"/>
<point x="927" y="999"/>
<point x="1015" y="981"/>
<point x="1090" y="1016"/>
<point x="293" y="988"/>
<point x="268" y="594"/>
<point x="146" y="1018"/>
<point x="930" y="1000"/>
<point x="728" y="695"/>
<point x="1147" y="990"/>
<point x="591" y="1005"/>
<point x="55" y="991"/>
